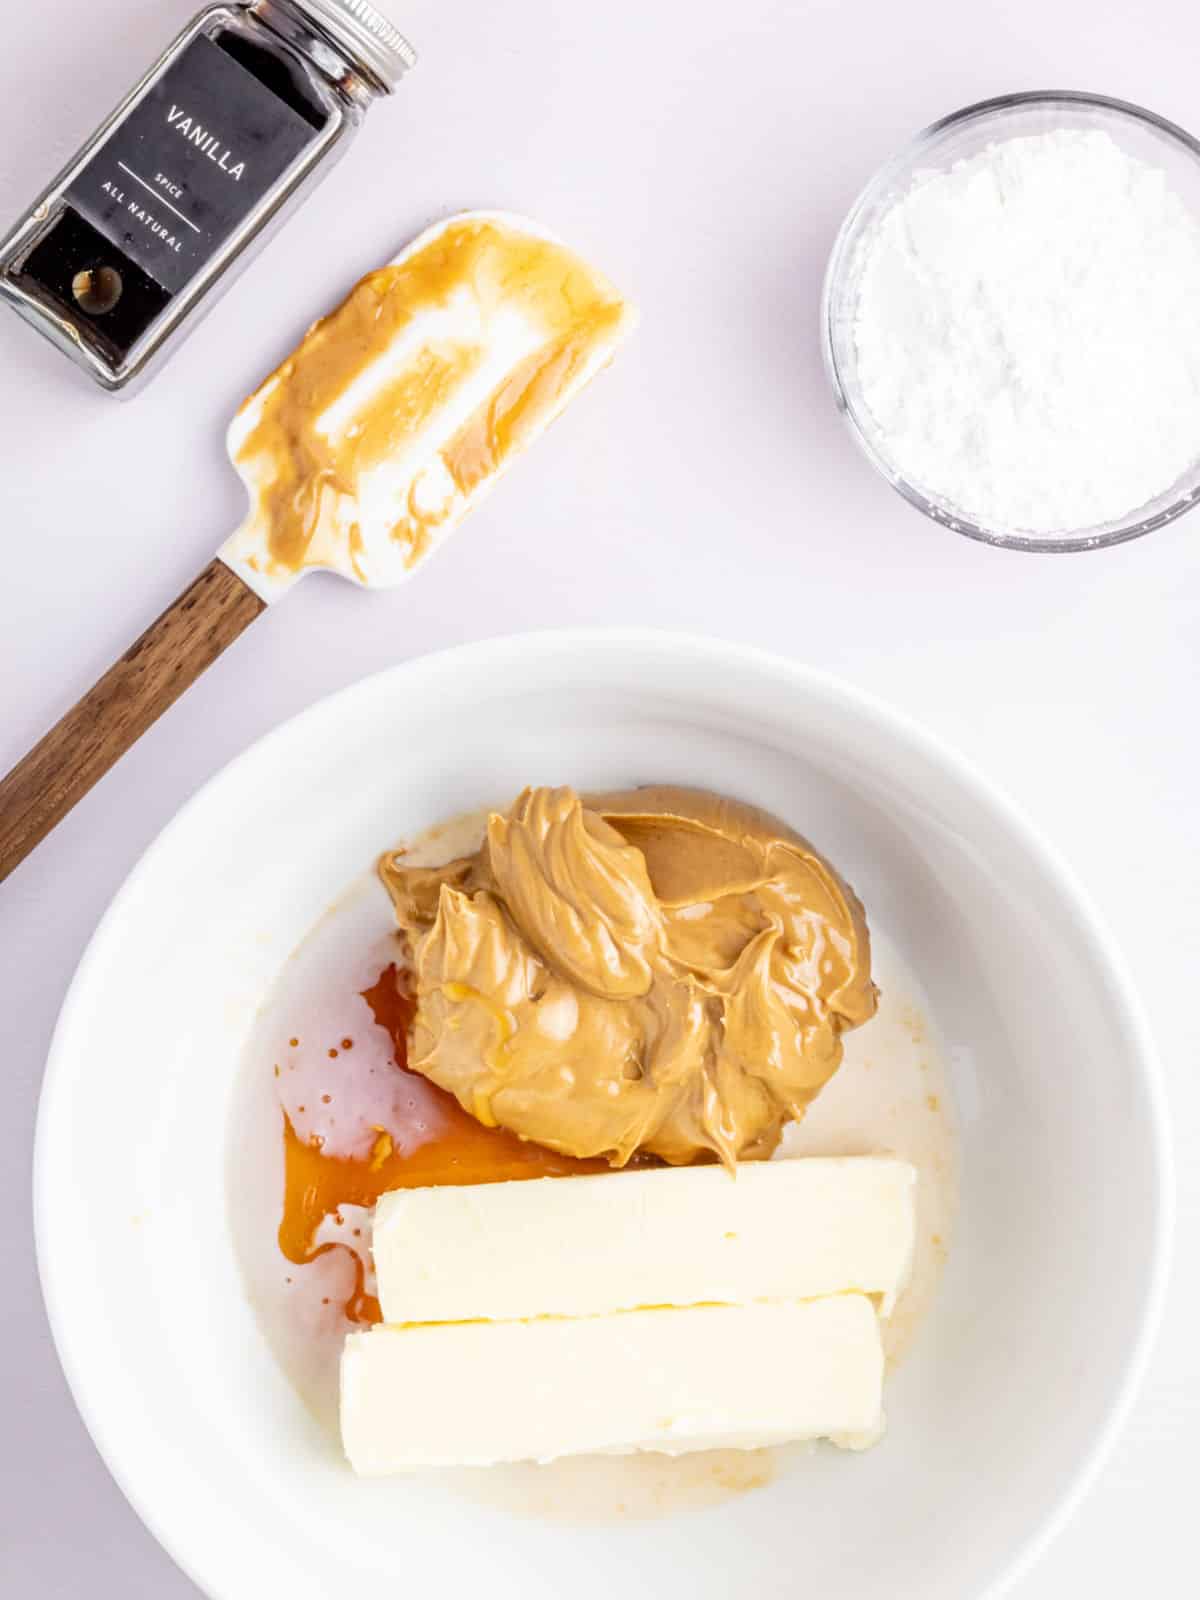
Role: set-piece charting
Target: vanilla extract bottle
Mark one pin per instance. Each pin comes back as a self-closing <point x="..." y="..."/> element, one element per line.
<point x="143" y="229"/>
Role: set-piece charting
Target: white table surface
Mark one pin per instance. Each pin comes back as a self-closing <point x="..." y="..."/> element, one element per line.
<point x="704" y="155"/>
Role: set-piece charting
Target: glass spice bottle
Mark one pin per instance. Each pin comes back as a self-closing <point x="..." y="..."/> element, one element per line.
<point x="175" y="193"/>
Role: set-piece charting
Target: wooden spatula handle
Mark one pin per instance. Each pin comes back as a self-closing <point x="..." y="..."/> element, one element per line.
<point x="134" y="692"/>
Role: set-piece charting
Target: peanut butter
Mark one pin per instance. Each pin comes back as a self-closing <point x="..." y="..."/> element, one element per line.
<point x="659" y="970"/>
<point x="401" y="406"/>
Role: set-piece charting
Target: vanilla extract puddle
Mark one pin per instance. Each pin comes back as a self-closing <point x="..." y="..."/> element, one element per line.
<point x="328" y="1119"/>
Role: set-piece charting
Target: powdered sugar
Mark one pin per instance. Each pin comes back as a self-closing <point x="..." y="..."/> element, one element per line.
<point x="1028" y="333"/>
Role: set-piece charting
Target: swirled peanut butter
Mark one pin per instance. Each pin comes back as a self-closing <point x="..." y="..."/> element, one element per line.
<point x="660" y="970"/>
<point x="396" y="411"/>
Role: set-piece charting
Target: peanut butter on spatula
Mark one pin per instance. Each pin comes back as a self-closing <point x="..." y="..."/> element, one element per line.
<point x="398" y="410"/>
<point x="361" y="453"/>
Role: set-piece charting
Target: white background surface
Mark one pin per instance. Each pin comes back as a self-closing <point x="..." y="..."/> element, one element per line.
<point x="703" y="156"/>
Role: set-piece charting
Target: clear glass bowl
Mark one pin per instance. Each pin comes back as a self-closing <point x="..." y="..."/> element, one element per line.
<point x="961" y="135"/>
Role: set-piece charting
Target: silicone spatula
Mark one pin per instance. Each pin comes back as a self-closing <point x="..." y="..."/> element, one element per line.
<point x="361" y="453"/>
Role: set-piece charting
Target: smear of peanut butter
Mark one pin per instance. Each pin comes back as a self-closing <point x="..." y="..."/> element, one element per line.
<point x="660" y="970"/>
<point x="397" y="408"/>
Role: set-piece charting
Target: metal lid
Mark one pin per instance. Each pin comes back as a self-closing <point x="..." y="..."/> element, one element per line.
<point x="367" y="35"/>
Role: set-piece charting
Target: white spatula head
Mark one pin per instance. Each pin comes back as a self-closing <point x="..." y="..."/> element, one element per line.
<point x="372" y="441"/>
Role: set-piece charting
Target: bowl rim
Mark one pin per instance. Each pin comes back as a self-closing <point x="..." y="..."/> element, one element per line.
<point x="483" y="658"/>
<point x="904" y="161"/>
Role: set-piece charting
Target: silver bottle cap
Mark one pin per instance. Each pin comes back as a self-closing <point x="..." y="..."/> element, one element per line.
<point x="367" y="34"/>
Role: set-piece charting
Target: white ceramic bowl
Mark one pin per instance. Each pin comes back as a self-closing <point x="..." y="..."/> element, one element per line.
<point x="1020" y="1377"/>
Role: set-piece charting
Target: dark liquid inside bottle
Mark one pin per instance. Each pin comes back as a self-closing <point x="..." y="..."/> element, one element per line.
<point x="276" y="71"/>
<point x="65" y="264"/>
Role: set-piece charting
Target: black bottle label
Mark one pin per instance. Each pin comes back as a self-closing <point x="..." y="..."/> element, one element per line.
<point x="189" y="162"/>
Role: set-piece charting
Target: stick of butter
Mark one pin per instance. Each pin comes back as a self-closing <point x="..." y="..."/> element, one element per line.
<point x="670" y="1380"/>
<point x="669" y="1236"/>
